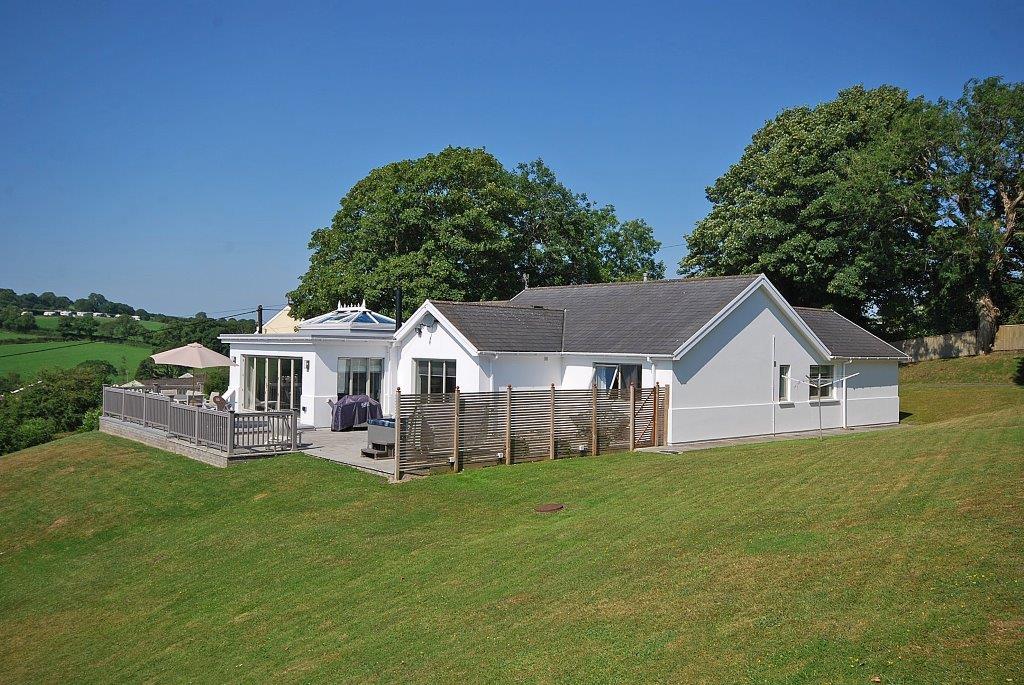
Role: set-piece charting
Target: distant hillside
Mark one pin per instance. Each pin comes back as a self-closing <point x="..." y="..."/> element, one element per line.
<point x="95" y="302"/>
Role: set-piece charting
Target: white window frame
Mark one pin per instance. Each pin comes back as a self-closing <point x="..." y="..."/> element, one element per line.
<point x="616" y="383"/>
<point x="824" y="392"/>
<point x="445" y="365"/>
<point x="785" y="382"/>
<point x="368" y="371"/>
<point x="271" y="401"/>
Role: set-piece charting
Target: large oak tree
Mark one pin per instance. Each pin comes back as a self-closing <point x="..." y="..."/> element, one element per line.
<point x="900" y="213"/>
<point x="459" y="225"/>
<point x="982" y="189"/>
<point x="800" y="206"/>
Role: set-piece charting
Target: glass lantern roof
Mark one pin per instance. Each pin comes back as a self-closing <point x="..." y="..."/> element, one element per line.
<point x="346" y="317"/>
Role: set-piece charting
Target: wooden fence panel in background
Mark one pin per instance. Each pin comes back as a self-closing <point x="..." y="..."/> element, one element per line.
<point x="963" y="344"/>
<point x="1010" y="338"/>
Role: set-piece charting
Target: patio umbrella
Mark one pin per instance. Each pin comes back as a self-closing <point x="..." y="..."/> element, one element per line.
<point x="193" y="355"/>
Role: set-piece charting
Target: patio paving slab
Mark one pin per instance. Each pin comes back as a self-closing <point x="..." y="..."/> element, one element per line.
<point x="344" y="448"/>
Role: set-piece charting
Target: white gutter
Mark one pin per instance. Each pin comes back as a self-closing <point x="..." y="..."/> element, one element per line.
<point x="285" y="338"/>
<point x="590" y="354"/>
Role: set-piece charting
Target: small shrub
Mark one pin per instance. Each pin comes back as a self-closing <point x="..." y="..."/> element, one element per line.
<point x="33" y="432"/>
<point x="91" y="421"/>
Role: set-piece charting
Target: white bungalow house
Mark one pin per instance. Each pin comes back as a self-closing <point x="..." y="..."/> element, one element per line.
<point x="737" y="358"/>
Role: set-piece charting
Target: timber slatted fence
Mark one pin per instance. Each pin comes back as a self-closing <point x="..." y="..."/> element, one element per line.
<point x="1009" y="338"/>
<point x="460" y="429"/>
<point x="237" y="434"/>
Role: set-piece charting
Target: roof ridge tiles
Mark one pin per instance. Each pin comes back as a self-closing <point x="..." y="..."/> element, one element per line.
<point x="499" y="304"/>
<point x="696" y="279"/>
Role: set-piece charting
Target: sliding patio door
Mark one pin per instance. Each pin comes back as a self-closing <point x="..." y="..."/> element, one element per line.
<point x="272" y="383"/>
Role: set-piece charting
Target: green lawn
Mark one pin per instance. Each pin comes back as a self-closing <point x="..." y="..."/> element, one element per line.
<point x="895" y="553"/>
<point x="28" y="359"/>
<point x="941" y="389"/>
<point x="49" y="323"/>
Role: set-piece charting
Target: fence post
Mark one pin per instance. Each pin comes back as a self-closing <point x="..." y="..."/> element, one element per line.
<point x="632" y="417"/>
<point x="593" y="419"/>
<point x="295" y="429"/>
<point x="145" y="405"/>
<point x="196" y="428"/>
<point x="654" y="425"/>
<point x="122" y="403"/>
<point x="551" y="438"/>
<point x="231" y="432"/>
<point x="508" y="424"/>
<point x="455" y="434"/>
<point x="398" y="434"/>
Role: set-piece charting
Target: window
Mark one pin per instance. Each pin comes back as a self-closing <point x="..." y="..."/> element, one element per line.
<point x="271" y="383"/>
<point x="435" y="376"/>
<point x="820" y="379"/>
<point x="616" y="376"/>
<point x="360" y="376"/>
<point x="783" y="382"/>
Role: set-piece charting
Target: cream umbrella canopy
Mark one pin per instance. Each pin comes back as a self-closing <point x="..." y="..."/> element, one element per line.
<point x="192" y="355"/>
<point x="195" y="355"/>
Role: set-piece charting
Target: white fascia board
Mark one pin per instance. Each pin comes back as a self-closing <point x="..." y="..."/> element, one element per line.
<point x="428" y="307"/>
<point x="411" y="323"/>
<point x="787" y="310"/>
<point x="307" y="339"/>
<point x="612" y="355"/>
<point x="268" y="339"/>
<point x="559" y="353"/>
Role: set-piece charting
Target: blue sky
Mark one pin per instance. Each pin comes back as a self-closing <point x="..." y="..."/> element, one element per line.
<point x="177" y="156"/>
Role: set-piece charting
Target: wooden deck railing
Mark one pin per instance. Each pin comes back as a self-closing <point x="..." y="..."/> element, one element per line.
<point x="237" y="433"/>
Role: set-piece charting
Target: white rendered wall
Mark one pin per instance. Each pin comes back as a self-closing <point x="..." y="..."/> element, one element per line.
<point x="726" y="386"/>
<point x="872" y="396"/>
<point x="320" y="381"/>
<point x="326" y="372"/>
<point x="526" y="371"/>
<point x="303" y="351"/>
<point x="437" y="344"/>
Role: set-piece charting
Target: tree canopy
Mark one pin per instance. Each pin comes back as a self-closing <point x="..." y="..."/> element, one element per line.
<point x="459" y="225"/>
<point x="898" y="212"/>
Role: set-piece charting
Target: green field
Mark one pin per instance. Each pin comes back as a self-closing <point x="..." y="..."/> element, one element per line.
<point x="49" y="323"/>
<point x="11" y="335"/>
<point x="895" y="554"/>
<point x="28" y="359"/>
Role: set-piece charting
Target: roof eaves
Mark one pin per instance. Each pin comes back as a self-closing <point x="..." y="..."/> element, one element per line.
<point x="900" y="354"/>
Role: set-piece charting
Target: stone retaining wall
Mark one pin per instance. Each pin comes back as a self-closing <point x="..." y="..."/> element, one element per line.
<point x="157" y="439"/>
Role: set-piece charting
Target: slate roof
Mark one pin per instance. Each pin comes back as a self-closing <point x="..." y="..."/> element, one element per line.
<point x="505" y="327"/>
<point x="844" y="338"/>
<point x="639" y="317"/>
